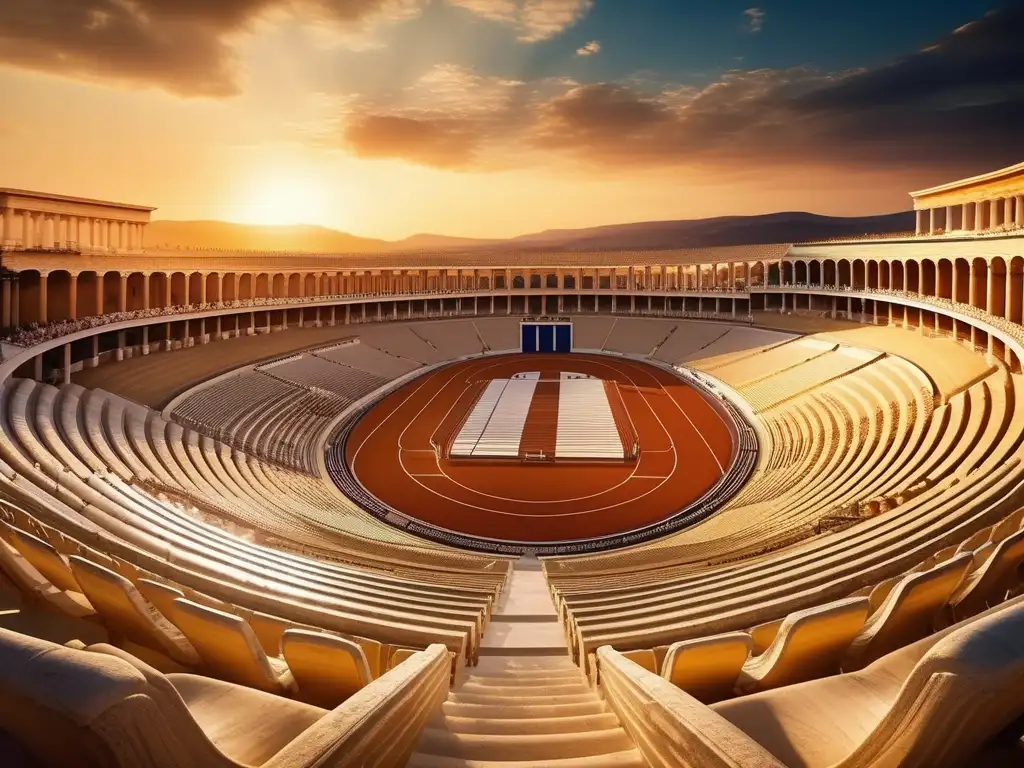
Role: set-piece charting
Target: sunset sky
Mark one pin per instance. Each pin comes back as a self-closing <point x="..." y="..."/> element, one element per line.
<point x="493" y="118"/>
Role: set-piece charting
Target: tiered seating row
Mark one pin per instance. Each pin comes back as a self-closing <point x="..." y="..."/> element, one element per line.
<point x="848" y="634"/>
<point x="367" y="358"/>
<point x="716" y="599"/>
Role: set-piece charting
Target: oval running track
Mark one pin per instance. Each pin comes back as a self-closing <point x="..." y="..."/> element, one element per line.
<point x="685" y="446"/>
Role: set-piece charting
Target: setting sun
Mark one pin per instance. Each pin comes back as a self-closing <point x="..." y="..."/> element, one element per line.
<point x="286" y="198"/>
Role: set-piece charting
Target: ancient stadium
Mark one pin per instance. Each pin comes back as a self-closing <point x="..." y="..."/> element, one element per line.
<point x="738" y="506"/>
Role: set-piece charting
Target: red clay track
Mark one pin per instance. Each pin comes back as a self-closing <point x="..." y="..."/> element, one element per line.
<point x="684" y="446"/>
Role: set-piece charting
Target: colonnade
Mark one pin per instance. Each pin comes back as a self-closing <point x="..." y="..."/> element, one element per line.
<point x="996" y="214"/>
<point x="41" y="296"/>
<point x="56" y="231"/>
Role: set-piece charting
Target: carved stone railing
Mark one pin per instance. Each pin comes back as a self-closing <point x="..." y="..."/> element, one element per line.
<point x="380" y="724"/>
<point x="671" y="728"/>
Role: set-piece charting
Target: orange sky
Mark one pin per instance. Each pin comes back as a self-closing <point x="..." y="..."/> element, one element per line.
<point x="304" y="133"/>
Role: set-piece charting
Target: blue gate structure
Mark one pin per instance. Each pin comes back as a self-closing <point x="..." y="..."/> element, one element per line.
<point x="546" y="335"/>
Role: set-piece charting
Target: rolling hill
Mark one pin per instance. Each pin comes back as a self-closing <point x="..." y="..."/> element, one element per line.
<point x="786" y="227"/>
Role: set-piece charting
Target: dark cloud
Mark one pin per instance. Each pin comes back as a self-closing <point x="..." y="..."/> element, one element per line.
<point x="435" y="142"/>
<point x="178" y="45"/>
<point x="956" y="104"/>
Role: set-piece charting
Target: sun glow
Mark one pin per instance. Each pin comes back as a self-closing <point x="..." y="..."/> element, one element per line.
<point x="287" y="198"/>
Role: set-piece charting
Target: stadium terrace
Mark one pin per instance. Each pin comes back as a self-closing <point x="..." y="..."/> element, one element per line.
<point x="740" y="506"/>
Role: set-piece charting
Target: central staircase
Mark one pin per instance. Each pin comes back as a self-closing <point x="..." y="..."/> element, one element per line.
<point x="526" y="705"/>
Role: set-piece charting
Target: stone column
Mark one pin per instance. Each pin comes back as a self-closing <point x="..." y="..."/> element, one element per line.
<point x="919" y="228"/>
<point x="99" y="292"/>
<point x="931" y="220"/>
<point x="122" y="296"/>
<point x="994" y="215"/>
<point x="949" y="218"/>
<point x="1008" y="212"/>
<point x="167" y="291"/>
<point x="8" y="224"/>
<point x="109" y="227"/>
<point x="967" y="217"/>
<point x="73" y="296"/>
<point x="202" y="287"/>
<point x="28" y="234"/>
<point x="43" y="315"/>
<point x="145" y="290"/>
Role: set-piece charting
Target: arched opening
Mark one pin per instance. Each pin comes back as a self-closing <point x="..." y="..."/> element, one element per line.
<point x="29" y="303"/>
<point x="872" y="274"/>
<point x="111" y="292"/>
<point x="1015" y="294"/>
<point x="569" y="282"/>
<point x="262" y="287"/>
<point x="485" y="283"/>
<point x="157" y="289"/>
<point x="829" y="273"/>
<point x="962" y="281"/>
<point x="801" y="272"/>
<point x="213" y="287"/>
<point x="279" y="286"/>
<point x="58" y="295"/>
<point x="858" y="274"/>
<point x="518" y="282"/>
<point x="787" y="272"/>
<point x="229" y="287"/>
<point x="844" y="273"/>
<point x="178" y="288"/>
<point x="86" y="295"/>
<point x="896" y="274"/>
<point x="928" y="277"/>
<point x="979" y="270"/>
<point x="499" y="283"/>
<point x="722" y="275"/>
<point x="757" y="273"/>
<point x="814" y="272"/>
<point x="551" y="281"/>
<point x="294" y="282"/>
<point x="135" y="288"/>
<point x="884" y="275"/>
<point x="913" y="284"/>
<point x="534" y="281"/>
<point x="997" y="287"/>
<point x="944" y="288"/>
<point x="311" y="286"/>
<point x="195" y="288"/>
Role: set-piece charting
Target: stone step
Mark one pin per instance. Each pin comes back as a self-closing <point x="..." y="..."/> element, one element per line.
<point x="594" y="706"/>
<point x="626" y="759"/>
<point x="517" y="699"/>
<point x="511" y="725"/>
<point x="543" y="746"/>
<point x="553" y="688"/>
<point x="526" y="638"/>
<point x="533" y="666"/>
<point x="525" y="681"/>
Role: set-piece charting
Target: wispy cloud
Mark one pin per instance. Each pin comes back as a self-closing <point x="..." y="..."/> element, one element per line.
<point x="755" y="19"/>
<point x="536" y="19"/>
<point x="589" y="49"/>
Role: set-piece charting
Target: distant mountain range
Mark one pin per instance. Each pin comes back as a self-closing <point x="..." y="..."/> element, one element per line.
<point x="787" y="227"/>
